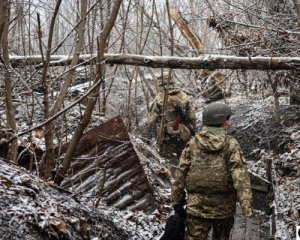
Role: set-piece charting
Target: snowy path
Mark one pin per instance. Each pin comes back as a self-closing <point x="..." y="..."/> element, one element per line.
<point x="248" y="229"/>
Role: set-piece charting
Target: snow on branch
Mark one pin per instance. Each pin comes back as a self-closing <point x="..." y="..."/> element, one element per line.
<point x="210" y="62"/>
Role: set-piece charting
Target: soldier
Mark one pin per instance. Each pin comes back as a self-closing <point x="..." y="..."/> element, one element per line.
<point x="179" y="119"/>
<point x="213" y="171"/>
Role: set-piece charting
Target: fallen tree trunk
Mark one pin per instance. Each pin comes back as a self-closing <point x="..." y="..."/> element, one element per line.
<point x="210" y="62"/>
<point x="187" y="32"/>
<point x="207" y="62"/>
<point x="210" y="84"/>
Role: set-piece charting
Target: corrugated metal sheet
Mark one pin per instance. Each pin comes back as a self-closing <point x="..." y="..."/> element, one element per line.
<point x="106" y="167"/>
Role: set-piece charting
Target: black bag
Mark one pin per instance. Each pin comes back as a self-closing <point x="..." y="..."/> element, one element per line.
<point x="174" y="229"/>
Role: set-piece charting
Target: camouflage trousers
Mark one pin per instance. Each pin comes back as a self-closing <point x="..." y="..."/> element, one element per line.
<point x="198" y="228"/>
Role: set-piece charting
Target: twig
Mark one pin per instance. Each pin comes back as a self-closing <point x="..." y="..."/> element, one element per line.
<point x="56" y="115"/>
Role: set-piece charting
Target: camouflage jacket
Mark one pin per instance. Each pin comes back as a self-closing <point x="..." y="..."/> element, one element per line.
<point x="175" y="97"/>
<point x="208" y="203"/>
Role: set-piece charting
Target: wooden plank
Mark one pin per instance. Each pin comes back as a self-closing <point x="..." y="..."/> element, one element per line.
<point x="253" y="228"/>
<point x="239" y="228"/>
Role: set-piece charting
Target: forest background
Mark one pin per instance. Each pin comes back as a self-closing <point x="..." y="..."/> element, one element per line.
<point x="104" y="58"/>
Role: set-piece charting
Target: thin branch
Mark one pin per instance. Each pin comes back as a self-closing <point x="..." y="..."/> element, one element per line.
<point x="56" y="115"/>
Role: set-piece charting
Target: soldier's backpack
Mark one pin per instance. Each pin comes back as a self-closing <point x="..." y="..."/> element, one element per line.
<point x="176" y="125"/>
<point x="208" y="172"/>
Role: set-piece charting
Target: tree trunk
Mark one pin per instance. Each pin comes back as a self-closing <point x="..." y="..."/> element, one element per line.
<point x="92" y="100"/>
<point x="161" y="132"/>
<point x="274" y="81"/>
<point x="3" y="15"/>
<point x="10" y="111"/>
<point x="49" y="159"/>
<point x="192" y="37"/>
<point x="297" y="10"/>
<point x="295" y="88"/>
<point x="79" y="39"/>
<point x="295" y="91"/>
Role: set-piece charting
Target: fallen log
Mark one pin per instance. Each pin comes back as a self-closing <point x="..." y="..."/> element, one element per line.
<point x="210" y="62"/>
<point x="187" y="32"/>
<point x="207" y="62"/>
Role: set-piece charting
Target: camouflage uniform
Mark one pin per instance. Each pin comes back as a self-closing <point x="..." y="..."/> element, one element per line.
<point x="213" y="186"/>
<point x="172" y="145"/>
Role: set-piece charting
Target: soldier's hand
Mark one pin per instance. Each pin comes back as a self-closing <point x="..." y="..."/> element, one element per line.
<point x="248" y="212"/>
<point x="246" y="205"/>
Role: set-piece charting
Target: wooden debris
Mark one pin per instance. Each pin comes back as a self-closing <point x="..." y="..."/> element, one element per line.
<point x="187" y="32"/>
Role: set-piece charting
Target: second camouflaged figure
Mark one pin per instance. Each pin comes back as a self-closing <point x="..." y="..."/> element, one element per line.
<point x="213" y="172"/>
<point x="180" y="120"/>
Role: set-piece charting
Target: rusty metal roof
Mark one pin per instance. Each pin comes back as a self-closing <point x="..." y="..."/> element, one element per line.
<point x="106" y="167"/>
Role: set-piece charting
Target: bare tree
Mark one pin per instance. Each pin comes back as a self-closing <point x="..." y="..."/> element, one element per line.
<point x="49" y="160"/>
<point x="49" y="154"/>
<point x="10" y="111"/>
<point x="4" y="15"/>
<point x="102" y="43"/>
